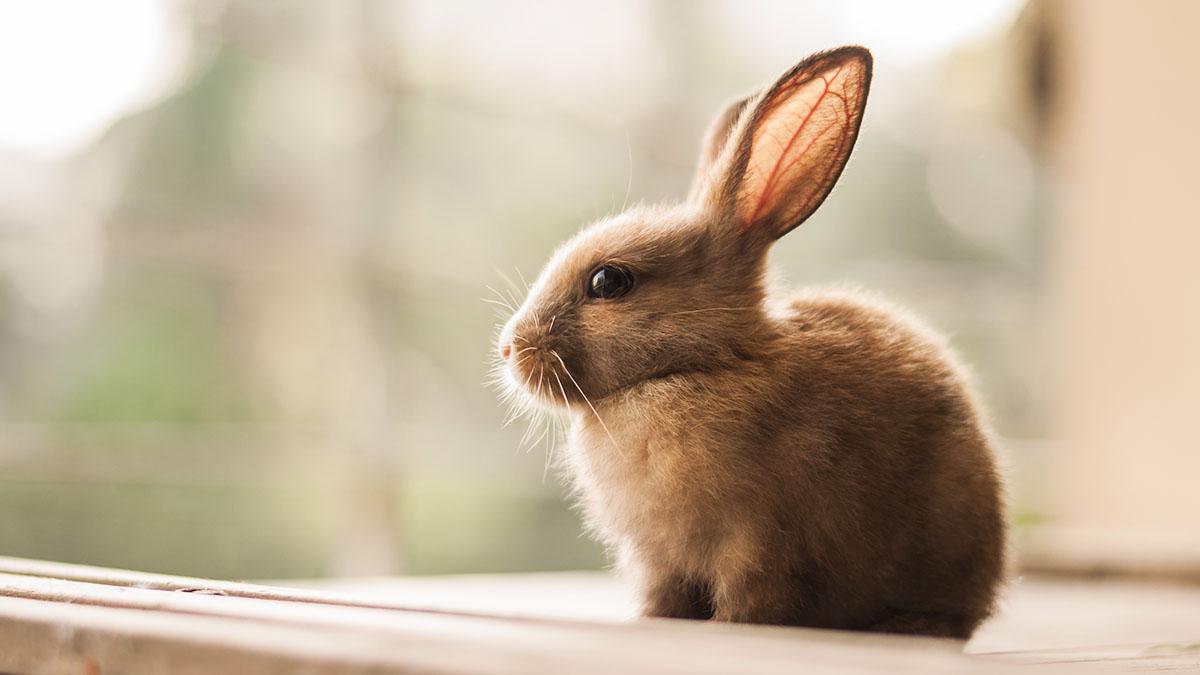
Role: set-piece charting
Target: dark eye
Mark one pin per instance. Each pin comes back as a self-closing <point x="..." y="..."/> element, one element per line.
<point x="609" y="282"/>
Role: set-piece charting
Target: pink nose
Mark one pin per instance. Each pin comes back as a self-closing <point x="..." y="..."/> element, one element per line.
<point x="505" y="351"/>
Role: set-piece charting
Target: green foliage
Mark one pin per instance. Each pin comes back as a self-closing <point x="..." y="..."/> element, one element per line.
<point x="153" y="354"/>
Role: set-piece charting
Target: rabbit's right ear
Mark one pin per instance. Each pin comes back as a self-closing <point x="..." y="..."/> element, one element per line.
<point x="788" y="145"/>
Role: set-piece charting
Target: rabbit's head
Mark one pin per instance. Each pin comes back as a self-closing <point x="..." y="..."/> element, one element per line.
<point x="659" y="291"/>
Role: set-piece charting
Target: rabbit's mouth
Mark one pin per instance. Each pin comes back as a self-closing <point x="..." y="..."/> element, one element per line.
<point x="541" y="375"/>
<point x="531" y="365"/>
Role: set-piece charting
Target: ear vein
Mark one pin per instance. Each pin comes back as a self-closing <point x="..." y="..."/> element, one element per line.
<point x="774" y="175"/>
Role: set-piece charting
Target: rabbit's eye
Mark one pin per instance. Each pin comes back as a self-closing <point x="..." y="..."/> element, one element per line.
<point x="609" y="282"/>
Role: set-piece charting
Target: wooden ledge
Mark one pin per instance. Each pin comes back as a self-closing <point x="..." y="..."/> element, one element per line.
<point x="58" y="618"/>
<point x="73" y="619"/>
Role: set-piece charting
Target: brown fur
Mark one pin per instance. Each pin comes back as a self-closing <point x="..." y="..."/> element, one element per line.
<point x="817" y="462"/>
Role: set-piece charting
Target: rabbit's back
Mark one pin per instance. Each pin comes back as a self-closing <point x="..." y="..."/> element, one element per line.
<point x="879" y="364"/>
<point x="905" y="462"/>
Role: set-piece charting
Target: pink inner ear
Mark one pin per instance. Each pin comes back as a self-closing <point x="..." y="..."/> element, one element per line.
<point x="801" y="139"/>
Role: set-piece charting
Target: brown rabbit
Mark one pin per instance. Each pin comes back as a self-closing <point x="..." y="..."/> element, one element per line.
<point x="815" y="460"/>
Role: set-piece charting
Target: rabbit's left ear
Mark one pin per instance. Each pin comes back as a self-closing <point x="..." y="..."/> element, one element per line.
<point x="783" y="157"/>
<point x="715" y="141"/>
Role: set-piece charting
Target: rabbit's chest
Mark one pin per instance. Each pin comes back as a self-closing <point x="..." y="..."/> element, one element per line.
<point x="654" y="485"/>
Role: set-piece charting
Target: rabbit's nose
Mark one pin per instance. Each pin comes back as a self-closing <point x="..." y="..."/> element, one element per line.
<point x="505" y="350"/>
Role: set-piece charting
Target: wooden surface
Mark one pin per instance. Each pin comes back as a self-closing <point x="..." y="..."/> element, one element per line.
<point x="71" y="619"/>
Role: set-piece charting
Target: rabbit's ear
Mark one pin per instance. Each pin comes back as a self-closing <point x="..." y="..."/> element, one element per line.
<point x="715" y="141"/>
<point x="785" y="155"/>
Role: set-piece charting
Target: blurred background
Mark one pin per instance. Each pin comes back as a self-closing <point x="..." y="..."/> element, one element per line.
<point x="243" y="246"/>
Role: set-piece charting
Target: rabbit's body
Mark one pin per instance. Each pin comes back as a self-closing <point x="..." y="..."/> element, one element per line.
<point x="782" y="508"/>
<point x="820" y="463"/>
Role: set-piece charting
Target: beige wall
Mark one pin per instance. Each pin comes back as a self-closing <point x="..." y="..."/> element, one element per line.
<point x="1127" y="266"/>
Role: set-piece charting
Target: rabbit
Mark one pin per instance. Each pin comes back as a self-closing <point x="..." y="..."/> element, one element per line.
<point x="815" y="460"/>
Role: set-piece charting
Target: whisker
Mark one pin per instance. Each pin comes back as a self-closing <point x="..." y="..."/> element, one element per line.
<point x="713" y="309"/>
<point x="529" y="375"/>
<point x="513" y="296"/>
<point x="504" y="305"/>
<point x="512" y="289"/>
<point x="530" y="429"/>
<point x="586" y="400"/>
<point x="560" y="386"/>
<point x="505" y="302"/>
<point x="512" y="416"/>
<point x="551" y="326"/>
<point x="534" y="419"/>
<point x="540" y="418"/>
<point x="518" y="408"/>
<point x="550" y="448"/>
<point x="522" y="277"/>
<point x="505" y="277"/>
<point x="541" y="436"/>
<point x="522" y="398"/>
